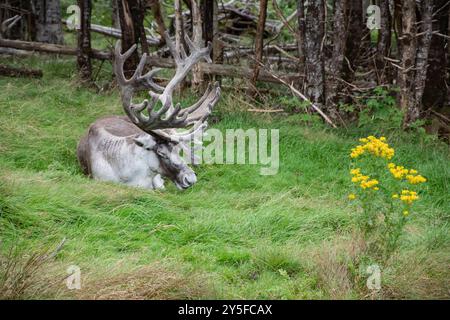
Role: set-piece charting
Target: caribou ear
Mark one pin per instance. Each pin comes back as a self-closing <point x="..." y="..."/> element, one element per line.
<point x="145" y="141"/>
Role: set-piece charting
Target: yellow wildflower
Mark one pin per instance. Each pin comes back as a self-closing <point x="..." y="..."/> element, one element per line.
<point x="415" y="179"/>
<point x="405" y="212"/>
<point x="352" y="196"/>
<point x="408" y="196"/>
<point x="372" y="145"/>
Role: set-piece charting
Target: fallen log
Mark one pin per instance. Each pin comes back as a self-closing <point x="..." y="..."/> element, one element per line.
<point x="224" y="70"/>
<point x="19" y="72"/>
<point x="115" y="33"/>
<point x="51" y="48"/>
<point x="206" y="68"/>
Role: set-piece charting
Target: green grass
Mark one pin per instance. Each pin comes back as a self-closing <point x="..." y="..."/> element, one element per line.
<point x="235" y="234"/>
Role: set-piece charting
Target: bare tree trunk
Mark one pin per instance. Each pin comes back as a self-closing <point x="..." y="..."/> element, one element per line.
<point x="84" y="40"/>
<point x="157" y="15"/>
<point x="48" y="21"/>
<point x="217" y="54"/>
<point x="426" y="27"/>
<point x="207" y="7"/>
<point x="259" y="42"/>
<point x="129" y="37"/>
<point x="115" y="14"/>
<point x="408" y="57"/>
<point x="301" y="34"/>
<point x="339" y="41"/>
<point x="179" y="29"/>
<point x="384" y="43"/>
<point x="434" y="93"/>
<point x="354" y="39"/>
<point x="314" y="60"/>
<point x="137" y="9"/>
<point x="197" y="38"/>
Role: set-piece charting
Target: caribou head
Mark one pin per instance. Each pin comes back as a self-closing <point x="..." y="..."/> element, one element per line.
<point x="144" y="147"/>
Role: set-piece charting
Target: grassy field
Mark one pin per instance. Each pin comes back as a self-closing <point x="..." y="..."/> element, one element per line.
<point x="235" y="234"/>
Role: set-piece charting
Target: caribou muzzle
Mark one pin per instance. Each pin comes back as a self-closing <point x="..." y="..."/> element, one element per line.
<point x="185" y="179"/>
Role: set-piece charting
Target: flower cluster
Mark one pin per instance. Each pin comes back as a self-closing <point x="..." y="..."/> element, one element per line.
<point x="370" y="161"/>
<point x="373" y="145"/>
<point x="364" y="181"/>
<point x="400" y="172"/>
<point x="406" y="196"/>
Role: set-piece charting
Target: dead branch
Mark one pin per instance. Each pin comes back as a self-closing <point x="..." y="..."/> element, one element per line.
<point x="51" y="48"/>
<point x="19" y="72"/>
<point x="302" y="96"/>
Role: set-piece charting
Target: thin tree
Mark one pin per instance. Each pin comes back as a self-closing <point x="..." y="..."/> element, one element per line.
<point x="384" y="43"/>
<point x="438" y="57"/>
<point x="408" y="58"/>
<point x="355" y="34"/>
<point x="259" y="42"/>
<point x="314" y="57"/>
<point x="130" y="32"/>
<point x="48" y="21"/>
<point x="84" y="40"/>
<point x="337" y="57"/>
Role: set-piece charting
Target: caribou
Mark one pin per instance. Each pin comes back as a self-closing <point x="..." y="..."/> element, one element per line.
<point x="143" y="147"/>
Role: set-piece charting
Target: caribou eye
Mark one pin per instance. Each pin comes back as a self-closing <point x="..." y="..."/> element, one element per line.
<point x="138" y="143"/>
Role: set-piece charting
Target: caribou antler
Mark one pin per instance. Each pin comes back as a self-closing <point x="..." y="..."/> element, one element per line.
<point x="167" y="116"/>
<point x="8" y="24"/>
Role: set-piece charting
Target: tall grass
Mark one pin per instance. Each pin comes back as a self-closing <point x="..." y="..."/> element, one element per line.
<point x="235" y="234"/>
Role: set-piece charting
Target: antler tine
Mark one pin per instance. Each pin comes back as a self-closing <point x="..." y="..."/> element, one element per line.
<point x="9" y="23"/>
<point x="138" y="72"/>
<point x="119" y="61"/>
<point x="148" y="79"/>
<point x="171" y="45"/>
<point x="196" y="105"/>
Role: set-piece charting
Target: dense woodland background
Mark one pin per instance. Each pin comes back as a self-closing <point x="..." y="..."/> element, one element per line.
<point x="322" y="50"/>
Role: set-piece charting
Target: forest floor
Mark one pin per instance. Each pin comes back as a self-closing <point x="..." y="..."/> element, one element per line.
<point x="235" y="234"/>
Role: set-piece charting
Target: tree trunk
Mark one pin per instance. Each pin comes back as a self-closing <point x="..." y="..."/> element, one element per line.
<point x="217" y="54"/>
<point x="337" y="58"/>
<point x="354" y="39"/>
<point x="408" y="57"/>
<point x="84" y="40"/>
<point x="129" y="37"/>
<point x="157" y="15"/>
<point x="314" y="60"/>
<point x="259" y="41"/>
<point x="210" y="29"/>
<point x="426" y="27"/>
<point x="115" y="14"/>
<point x="48" y="21"/>
<point x="301" y="34"/>
<point x="435" y="94"/>
<point x="384" y="43"/>
<point x="197" y="39"/>
<point x="207" y="7"/>
<point x="138" y="12"/>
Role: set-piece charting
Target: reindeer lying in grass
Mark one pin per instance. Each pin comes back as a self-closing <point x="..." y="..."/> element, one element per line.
<point x="141" y="149"/>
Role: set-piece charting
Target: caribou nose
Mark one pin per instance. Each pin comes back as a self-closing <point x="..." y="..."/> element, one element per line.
<point x="189" y="179"/>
